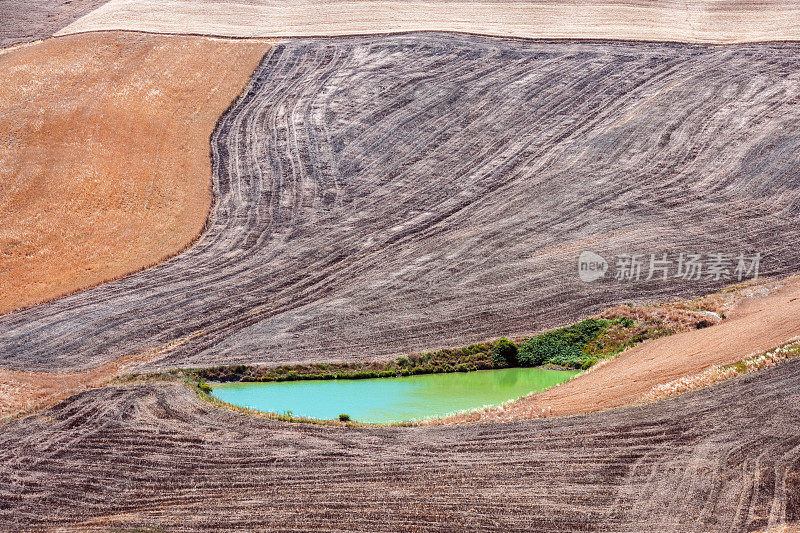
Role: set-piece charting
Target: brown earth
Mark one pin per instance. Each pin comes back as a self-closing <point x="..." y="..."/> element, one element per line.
<point x="755" y="325"/>
<point x="309" y="223"/>
<point x="710" y="21"/>
<point x="22" y="393"/>
<point x="104" y="158"/>
<point x="29" y="391"/>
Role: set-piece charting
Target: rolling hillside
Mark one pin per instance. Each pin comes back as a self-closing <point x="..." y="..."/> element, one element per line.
<point x="385" y="195"/>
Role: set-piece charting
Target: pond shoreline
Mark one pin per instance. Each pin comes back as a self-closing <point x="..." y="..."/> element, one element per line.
<point x="403" y="399"/>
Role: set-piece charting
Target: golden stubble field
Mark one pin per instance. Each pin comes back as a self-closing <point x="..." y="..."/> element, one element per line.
<point x="104" y="158"/>
<point x="710" y="21"/>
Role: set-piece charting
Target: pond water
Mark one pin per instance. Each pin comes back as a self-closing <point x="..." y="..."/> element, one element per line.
<point x="385" y="400"/>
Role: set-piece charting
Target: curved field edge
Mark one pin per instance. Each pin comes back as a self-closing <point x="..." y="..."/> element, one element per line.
<point x="662" y="20"/>
<point x="713" y="375"/>
<point x="695" y="317"/>
<point x="719" y="373"/>
<point x="395" y="188"/>
<point x="580" y="346"/>
<point x="23" y="21"/>
<point x="717" y="364"/>
<point x="155" y="455"/>
<point x="105" y="168"/>
<point x="27" y="392"/>
<point x="755" y="326"/>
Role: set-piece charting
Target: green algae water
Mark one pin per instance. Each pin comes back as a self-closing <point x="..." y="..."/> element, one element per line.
<point x="384" y="400"/>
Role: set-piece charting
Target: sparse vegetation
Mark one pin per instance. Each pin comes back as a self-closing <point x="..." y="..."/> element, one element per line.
<point x="204" y="387"/>
<point x="465" y="359"/>
<point x="719" y="373"/>
<point x="577" y="346"/>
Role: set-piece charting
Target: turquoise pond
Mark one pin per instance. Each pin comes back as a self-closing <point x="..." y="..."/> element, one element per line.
<point x="385" y="400"/>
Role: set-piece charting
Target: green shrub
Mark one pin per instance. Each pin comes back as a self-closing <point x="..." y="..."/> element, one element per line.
<point x="504" y="353"/>
<point x="204" y="387"/>
<point x="625" y="322"/>
<point x="562" y="346"/>
<point x="344" y="417"/>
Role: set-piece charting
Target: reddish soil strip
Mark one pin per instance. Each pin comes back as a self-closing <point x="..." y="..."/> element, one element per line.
<point x="26" y="392"/>
<point x="104" y="158"/>
<point x="757" y="324"/>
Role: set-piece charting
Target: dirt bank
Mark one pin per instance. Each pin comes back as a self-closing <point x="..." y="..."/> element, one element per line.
<point x="757" y="324"/>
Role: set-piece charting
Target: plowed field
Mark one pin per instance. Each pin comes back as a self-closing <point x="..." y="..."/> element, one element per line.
<point x="386" y="195"/>
<point x="723" y="459"/>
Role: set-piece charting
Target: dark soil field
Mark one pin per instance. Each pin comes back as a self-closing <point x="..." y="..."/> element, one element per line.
<point x="377" y="196"/>
<point x="722" y="459"/>
<point x="22" y="21"/>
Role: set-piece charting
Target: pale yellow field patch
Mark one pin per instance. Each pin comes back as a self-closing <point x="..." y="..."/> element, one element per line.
<point x="667" y="20"/>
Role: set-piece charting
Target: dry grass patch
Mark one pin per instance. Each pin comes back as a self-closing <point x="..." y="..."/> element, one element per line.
<point x="719" y="373"/>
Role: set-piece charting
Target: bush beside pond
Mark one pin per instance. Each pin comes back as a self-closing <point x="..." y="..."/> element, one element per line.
<point x="563" y="346"/>
<point x="577" y="346"/>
